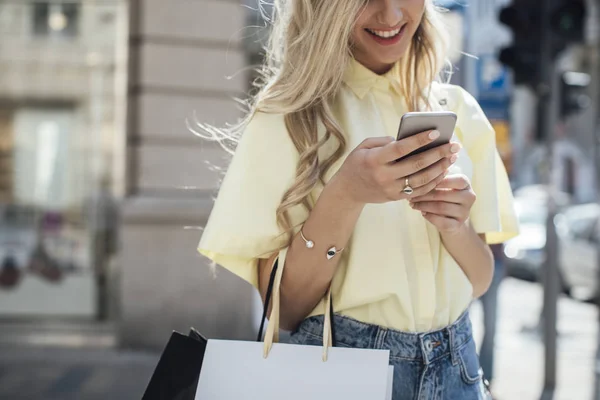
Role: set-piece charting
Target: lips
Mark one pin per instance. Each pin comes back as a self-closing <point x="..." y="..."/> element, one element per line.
<point x="384" y="34"/>
<point x="387" y="37"/>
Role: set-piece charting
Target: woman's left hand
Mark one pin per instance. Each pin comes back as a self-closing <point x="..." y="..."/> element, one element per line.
<point x="448" y="205"/>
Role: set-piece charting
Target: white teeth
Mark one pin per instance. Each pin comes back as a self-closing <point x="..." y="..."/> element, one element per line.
<point x="385" y="34"/>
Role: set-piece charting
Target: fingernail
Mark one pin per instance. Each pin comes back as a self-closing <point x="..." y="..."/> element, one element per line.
<point x="454" y="158"/>
<point x="455" y="148"/>
<point x="434" y="135"/>
<point x="423" y="213"/>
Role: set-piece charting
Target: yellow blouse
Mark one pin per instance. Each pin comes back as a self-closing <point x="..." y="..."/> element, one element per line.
<point x="394" y="272"/>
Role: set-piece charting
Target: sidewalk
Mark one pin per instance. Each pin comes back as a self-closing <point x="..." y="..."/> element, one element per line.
<point x="520" y="352"/>
<point x="61" y="374"/>
<point x="38" y="373"/>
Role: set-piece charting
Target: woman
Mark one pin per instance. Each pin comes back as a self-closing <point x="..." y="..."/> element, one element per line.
<point x="314" y="185"/>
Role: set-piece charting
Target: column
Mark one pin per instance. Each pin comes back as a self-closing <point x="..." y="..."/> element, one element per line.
<point x="186" y="56"/>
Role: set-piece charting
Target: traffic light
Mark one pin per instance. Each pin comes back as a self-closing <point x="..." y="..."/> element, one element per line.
<point x="574" y="96"/>
<point x="568" y="20"/>
<point x="524" y="19"/>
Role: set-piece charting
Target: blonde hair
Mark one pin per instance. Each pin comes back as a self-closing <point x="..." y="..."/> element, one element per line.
<point x="305" y="60"/>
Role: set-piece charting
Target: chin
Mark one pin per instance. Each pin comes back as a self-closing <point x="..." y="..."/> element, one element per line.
<point x="389" y="60"/>
<point x="391" y="57"/>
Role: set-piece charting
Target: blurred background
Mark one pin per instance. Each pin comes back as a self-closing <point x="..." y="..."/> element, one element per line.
<point x="104" y="189"/>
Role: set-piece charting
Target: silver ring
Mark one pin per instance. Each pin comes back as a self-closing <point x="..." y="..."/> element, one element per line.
<point x="407" y="189"/>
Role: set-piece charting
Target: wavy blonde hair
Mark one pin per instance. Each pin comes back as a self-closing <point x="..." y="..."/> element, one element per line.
<point x="305" y="60"/>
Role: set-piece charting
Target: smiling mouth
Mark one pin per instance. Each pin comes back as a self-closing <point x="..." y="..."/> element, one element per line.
<point x="387" y="35"/>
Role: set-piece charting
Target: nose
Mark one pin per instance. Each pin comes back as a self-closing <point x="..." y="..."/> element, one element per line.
<point x="391" y="13"/>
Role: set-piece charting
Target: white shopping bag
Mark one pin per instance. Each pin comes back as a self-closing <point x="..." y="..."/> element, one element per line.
<point x="236" y="370"/>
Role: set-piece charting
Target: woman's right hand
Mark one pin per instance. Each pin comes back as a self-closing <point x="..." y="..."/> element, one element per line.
<point x="373" y="174"/>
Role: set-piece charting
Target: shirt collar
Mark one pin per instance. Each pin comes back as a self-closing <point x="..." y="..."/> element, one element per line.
<point x="361" y="79"/>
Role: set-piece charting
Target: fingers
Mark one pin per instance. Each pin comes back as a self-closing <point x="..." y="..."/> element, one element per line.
<point x="453" y="189"/>
<point x="457" y="181"/>
<point x="421" y="190"/>
<point x="426" y="175"/>
<point x="437" y="194"/>
<point x="410" y="166"/>
<point x="401" y="148"/>
<point x="375" y="142"/>
<point x="442" y="223"/>
<point x="449" y="210"/>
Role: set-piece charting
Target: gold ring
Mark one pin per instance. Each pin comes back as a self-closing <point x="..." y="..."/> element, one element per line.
<point x="407" y="189"/>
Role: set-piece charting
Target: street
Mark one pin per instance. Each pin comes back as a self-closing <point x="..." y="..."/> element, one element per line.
<point x="94" y="374"/>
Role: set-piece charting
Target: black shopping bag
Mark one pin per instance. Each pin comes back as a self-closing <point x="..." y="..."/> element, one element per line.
<point x="177" y="372"/>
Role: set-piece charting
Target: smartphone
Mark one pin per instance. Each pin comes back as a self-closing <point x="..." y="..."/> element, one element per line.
<point x="416" y="122"/>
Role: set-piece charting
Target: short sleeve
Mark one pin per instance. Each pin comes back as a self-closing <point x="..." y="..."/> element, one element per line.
<point x="242" y="226"/>
<point x="493" y="213"/>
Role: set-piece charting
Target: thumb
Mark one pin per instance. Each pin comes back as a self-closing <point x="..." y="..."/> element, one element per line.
<point x="375" y="142"/>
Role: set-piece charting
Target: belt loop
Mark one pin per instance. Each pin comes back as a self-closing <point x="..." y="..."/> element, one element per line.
<point x="424" y="350"/>
<point x="451" y="344"/>
<point x="380" y="335"/>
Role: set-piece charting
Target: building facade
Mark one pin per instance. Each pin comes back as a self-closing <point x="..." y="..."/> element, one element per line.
<point x="103" y="186"/>
<point x="187" y="62"/>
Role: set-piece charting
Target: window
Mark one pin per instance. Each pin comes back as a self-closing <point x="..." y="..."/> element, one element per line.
<point x="55" y="19"/>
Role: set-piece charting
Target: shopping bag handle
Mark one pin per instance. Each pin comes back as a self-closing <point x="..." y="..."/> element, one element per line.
<point x="267" y="302"/>
<point x="272" y="334"/>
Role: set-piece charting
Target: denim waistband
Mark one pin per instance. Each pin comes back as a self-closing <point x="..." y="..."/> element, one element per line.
<point x="425" y="347"/>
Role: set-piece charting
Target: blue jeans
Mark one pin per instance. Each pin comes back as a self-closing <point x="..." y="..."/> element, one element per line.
<point x="438" y="365"/>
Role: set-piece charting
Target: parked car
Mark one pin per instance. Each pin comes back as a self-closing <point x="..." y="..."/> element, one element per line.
<point x="578" y="230"/>
<point x="525" y="254"/>
<point x="539" y="194"/>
